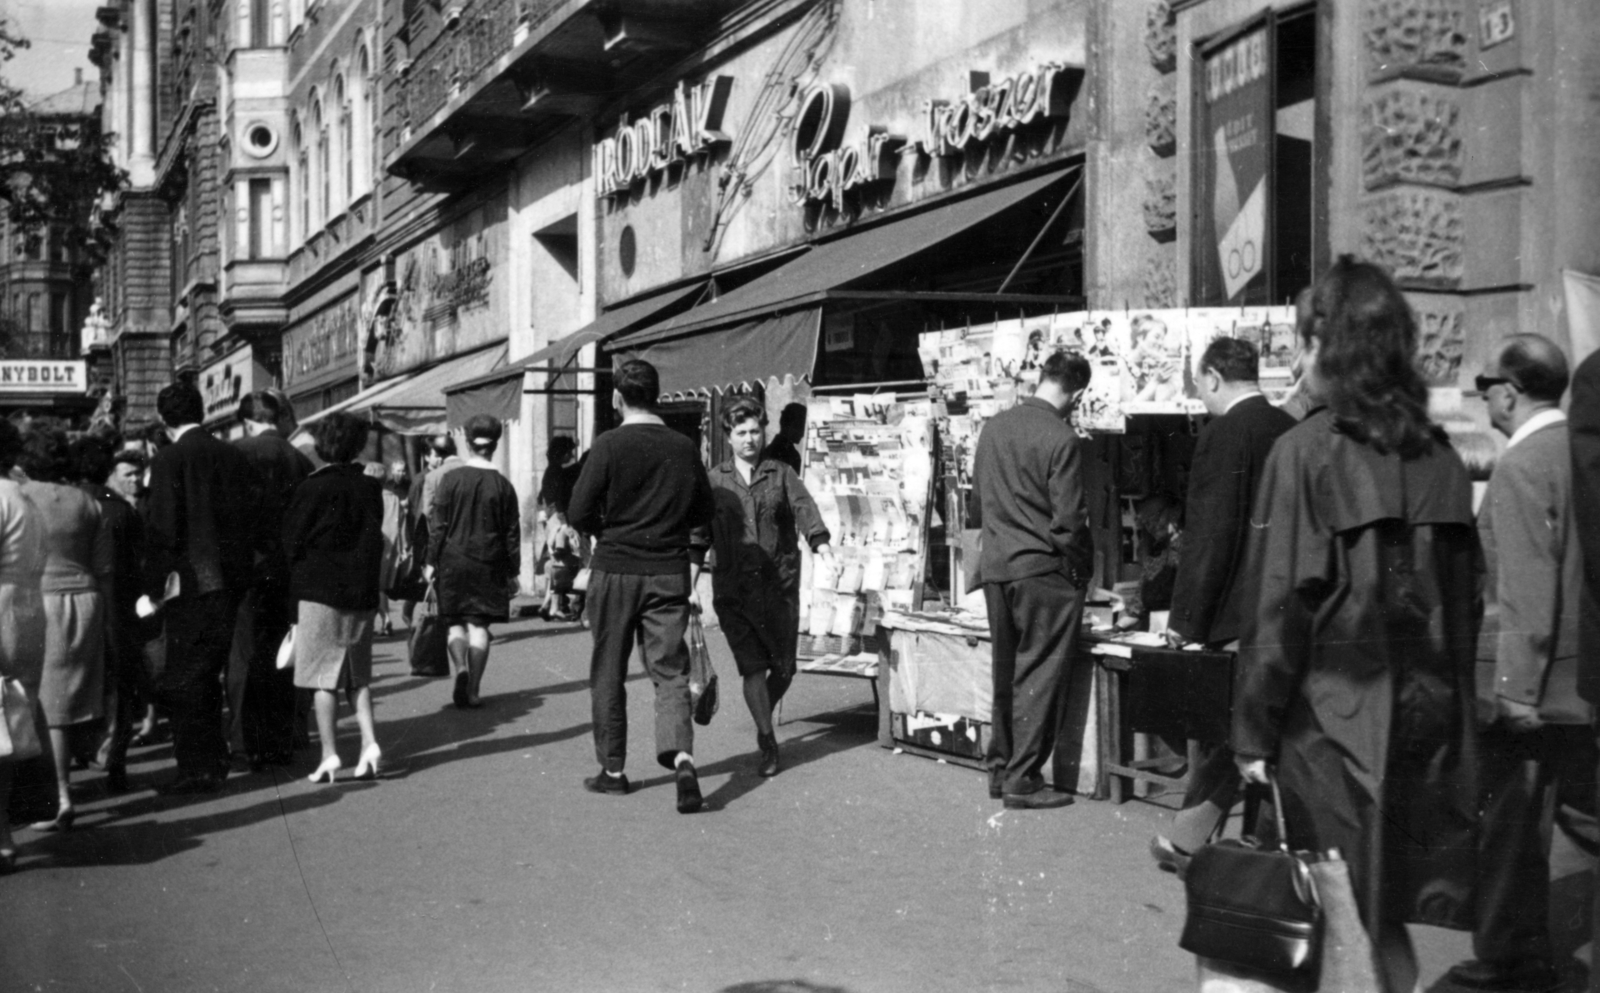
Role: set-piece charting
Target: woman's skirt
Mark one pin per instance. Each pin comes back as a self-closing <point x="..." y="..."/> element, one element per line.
<point x="332" y="647"/>
<point x="22" y="635"/>
<point x="73" y="687"/>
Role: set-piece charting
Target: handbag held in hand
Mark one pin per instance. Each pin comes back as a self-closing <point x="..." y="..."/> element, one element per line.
<point x="702" y="677"/>
<point x="1254" y="907"/>
<point x="19" y="735"/>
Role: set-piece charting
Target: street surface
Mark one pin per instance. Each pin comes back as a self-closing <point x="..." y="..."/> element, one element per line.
<point x="481" y="865"/>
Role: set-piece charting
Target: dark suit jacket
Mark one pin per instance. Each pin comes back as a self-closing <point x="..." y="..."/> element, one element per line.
<point x="1528" y="646"/>
<point x="1223" y="478"/>
<point x="200" y="517"/>
<point x="1583" y="424"/>
<point x="1028" y="491"/>
<point x="280" y="467"/>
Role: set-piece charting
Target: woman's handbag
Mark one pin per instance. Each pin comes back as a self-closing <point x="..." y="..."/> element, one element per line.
<point x="430" y="655"/>
<point x="286" y="650"/>
<point x="1254" y="907"/>
<point x="702" y="677"/>
<point x="19" y="735"/>
<point x="580" y="582"/>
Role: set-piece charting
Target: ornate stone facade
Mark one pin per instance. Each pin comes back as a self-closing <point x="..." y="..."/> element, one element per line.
<point x="1160" y="278"/>
<point x="1415" y="37"/>
<point x="1417" y="234"/>
<point x="1161" y="207"/>
<point x="1161" y="36"/>
<point x="1441" y="338"/>
<point x="1410" y="136"/>
<point x="1161" y="117"/>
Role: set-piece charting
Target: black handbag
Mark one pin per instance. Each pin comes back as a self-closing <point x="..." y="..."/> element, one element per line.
<point x="430" y="656"/>
<point x="1253" y="906"/>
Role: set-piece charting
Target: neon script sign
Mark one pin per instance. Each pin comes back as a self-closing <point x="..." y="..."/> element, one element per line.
<point x="951" y="127"/>
<point x="829" y="169"/>
<point x="688" y="126"/>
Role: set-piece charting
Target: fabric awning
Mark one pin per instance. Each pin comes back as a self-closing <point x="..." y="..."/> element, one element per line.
<point x="838" y="262"/>
<point x="775" y="346"/>
<point x="415" y="403"/>
<point x="499" y="393"/>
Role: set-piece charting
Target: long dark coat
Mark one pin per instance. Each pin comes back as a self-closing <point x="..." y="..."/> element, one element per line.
<point x="1355" y="669"/>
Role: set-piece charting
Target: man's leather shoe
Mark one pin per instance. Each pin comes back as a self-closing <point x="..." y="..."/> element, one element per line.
<point x="768" y="743"/>
<point x="607" y="783"/>
<point x="1046" y="799"/>
<point x="1168" y="856"/>
<point x="1524" y="977"/>
<point x="191" y="786"/>
<point x="689" y="798"/>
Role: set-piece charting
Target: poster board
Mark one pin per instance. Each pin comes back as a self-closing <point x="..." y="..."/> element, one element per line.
<point x="868" y="464"/>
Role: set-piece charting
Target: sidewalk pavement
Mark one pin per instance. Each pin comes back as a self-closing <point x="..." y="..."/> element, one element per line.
<point x="481" y="865"/>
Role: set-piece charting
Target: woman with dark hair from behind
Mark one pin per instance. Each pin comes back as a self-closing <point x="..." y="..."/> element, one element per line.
<point x="474" y="555"/>
<point x="333" y="540"/>
<point x="1355" y="667"/>
<point x="22" y="634"/>
<point x="95" y="469"/>
<point x="78" y="564"/>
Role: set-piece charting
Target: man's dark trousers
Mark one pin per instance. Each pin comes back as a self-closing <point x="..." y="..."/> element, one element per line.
<point x="1523" y="776"/>
<point x="654" y="611"/>
<point x="269" y="697"/>
<point x="1033" y="628"/>
<point x="199" y="637"/>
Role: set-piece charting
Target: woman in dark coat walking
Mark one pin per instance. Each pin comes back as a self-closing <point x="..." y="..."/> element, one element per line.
<point x="333" y="538"/>
<point x="474" y="555"/>
<point x="1355" y="667"/>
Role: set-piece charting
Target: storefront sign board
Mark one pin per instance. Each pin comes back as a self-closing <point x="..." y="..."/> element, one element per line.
<point x="323" y="347"/>
<point x="225" y="382"/>
<point x="43" y="376"/>
<point x="688" y="126"/>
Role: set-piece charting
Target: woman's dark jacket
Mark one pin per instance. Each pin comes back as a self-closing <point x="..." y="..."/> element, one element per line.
<point x="755" y="533"/>
<point x="1355" y="667"/>
<point x="333" y="537"/>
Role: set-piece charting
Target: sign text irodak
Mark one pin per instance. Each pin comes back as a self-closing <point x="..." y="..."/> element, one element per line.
<point x="690" y="125"/>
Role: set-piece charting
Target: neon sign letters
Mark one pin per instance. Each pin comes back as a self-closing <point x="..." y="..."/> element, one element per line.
<point x="688" y="126"/>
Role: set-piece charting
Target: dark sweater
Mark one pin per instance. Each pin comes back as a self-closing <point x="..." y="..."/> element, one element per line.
<point x="644" y="495"/>
<point x="333" y="537"/>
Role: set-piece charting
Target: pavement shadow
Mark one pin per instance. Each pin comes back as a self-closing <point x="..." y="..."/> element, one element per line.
<point x="840" y="734"/>
<point x="782" y="986"/>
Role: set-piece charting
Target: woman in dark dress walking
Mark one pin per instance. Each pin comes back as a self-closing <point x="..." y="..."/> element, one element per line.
<point x="474" y="555"/>
<point x="1355" y="669"/>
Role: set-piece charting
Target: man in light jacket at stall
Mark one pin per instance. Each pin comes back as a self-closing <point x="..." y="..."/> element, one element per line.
<point x="1035" y="564"/>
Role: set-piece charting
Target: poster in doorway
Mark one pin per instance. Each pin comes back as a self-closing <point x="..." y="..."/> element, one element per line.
<point x="1235" y="127"/>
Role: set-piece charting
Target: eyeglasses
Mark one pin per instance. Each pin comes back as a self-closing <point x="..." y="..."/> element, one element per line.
<point x="1484" y="383"/>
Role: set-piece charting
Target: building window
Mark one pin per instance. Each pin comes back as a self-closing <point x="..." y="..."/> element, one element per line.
<point x="60" y="326"/>
<point x="260" y="23"/>
<point x="1253" y="131"/>
<point x="260" y="215"/>
<point x="366" y="136"/>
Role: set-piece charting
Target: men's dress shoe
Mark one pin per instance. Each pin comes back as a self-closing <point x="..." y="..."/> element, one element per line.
<point x="768" y="743"/>
<point x="1523" y="977"/>
<point x="995" y="790"/>
<point x="1168" y="856"/>
<point x="1038" y="800"/>
<point x="606" y="783"/>
<point x="459" y="695"/>
<point x="191" y="785"/>
<point x="689" y="798"/>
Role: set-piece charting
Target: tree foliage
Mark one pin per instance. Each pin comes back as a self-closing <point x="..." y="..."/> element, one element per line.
<point x="53" y="170"/>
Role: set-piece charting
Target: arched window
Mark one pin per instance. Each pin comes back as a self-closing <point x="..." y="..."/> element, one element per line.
<point x="302" y="184"/>
<point x="365" y="140"/>
<point x="346" y="159"/>
<point x="319" y="130"/>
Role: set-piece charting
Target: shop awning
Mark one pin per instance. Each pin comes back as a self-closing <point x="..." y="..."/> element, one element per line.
<point x="415" y="404"/>
<point x="831" y="266"/>
<point x="499" y="393"/>
<point x="776" y="346"/>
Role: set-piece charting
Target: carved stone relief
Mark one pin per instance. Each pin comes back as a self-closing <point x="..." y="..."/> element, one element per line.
<point x="1416" y="233"/>
<point x="1161" y="208"/>
<point x="1161" y="36"/>
<point x="1440" y="341"/>
<point x="1427" y="35"/>
<point x="1160" y="278"/>
<point x="1410" y="135"/>
<point x="1161" y="117"/>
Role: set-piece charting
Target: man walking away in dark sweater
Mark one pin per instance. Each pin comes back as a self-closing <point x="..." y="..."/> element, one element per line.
<point x="645" y="497"/>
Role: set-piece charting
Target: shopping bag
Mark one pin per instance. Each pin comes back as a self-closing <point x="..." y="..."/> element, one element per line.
<point x="580" y="582"/>
<point x="19" y="735"/>
<point x="286" y="650"/>
<point x="429" y="655"/>
<point x="702" y="677"/>
<point x="1254" y="906"/>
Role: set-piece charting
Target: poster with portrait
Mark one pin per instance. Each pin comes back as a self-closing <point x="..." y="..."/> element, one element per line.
<point x="1236" y="124"/>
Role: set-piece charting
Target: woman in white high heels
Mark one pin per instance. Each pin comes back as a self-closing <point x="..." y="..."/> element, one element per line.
<point x="333" y="535"/>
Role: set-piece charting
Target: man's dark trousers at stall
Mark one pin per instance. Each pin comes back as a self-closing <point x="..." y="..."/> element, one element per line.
<point x="1033" y="628"/>
<point x="654" y="610"/>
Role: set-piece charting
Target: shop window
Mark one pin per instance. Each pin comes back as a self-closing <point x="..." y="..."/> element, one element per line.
<point x="1252" y="208"/>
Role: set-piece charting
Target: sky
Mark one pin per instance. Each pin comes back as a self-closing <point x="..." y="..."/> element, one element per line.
<point x="60" y="32"/>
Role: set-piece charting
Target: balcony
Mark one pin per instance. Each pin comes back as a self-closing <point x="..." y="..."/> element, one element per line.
<point x="500" y="76"/>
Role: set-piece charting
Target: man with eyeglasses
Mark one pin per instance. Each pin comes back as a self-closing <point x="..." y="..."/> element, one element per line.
<point x="1535" y="747"/>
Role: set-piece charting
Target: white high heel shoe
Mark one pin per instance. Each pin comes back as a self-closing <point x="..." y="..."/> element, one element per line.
<point x="328" y="768"/>
<point x="370" y="765"/>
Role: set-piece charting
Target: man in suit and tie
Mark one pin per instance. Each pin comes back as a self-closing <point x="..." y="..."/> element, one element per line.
<point x="1583" y="420"/>
<point x="1535" y="745"/>
<point x="199" y="543"/>
<point x="1223" y="476"/>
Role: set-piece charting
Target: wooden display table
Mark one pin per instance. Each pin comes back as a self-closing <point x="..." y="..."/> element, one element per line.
<point x="1145" y="691"/>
